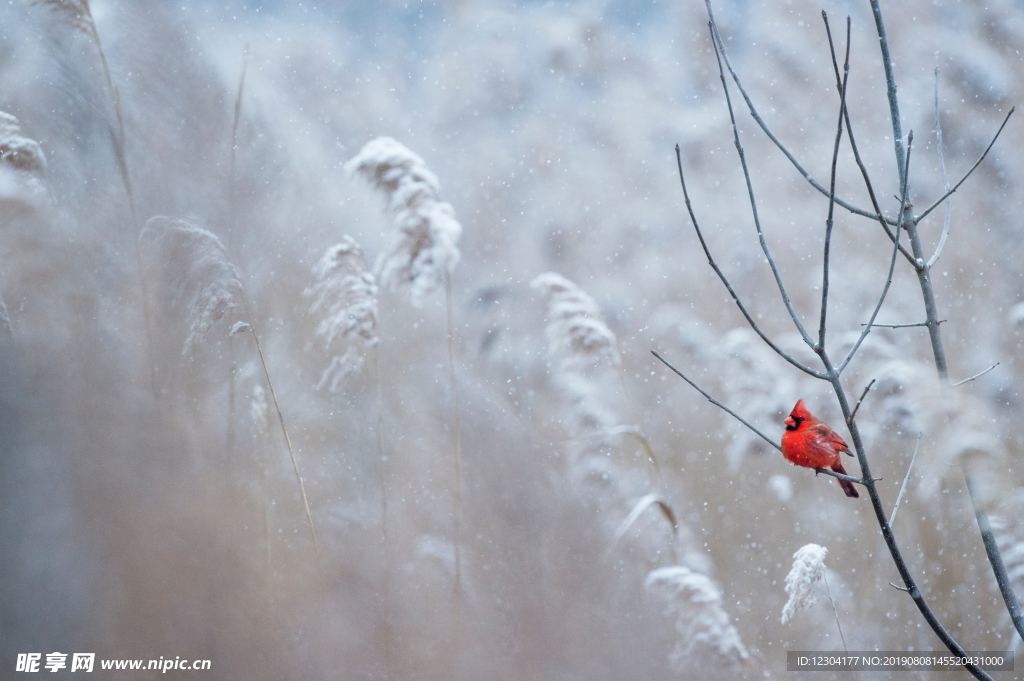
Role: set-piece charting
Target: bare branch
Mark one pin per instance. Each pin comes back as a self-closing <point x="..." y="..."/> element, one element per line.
<point x="832" y="190"/>
<point x="771" y="136"/>
<point x="718" y="404"/>
<point x="936" y="341"/>
<point x="905" y="221"/>
<point x="753" y="201"/>
<point x="906" y="479"/>
<point x="752" y="428"/>
<point x="721" y="275"/>
<point x="977" y="375"/>
<point x="884" y="222"/>
<point x="945" y="179"/>
<point x="840" y="476"/>
<point x="901" y="326"/>
<point x="894" y="106"/>
<point x="931" y="314"/>
<point x="963" y="179"/>
<point x="860" y="399"/>
<point x="884" y="524"/>
<point x="892" y="266"/>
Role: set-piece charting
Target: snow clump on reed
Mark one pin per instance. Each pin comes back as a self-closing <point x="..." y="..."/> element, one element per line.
<point x="425" y="250"/>
<point x="203" y="284"/>
<point x="343" y="296"/>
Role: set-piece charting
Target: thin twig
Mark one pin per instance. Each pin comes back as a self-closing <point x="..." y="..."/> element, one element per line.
<point x="906" y="479"/>
<point x="835" y="380"/>
<point x="753" y="201"/>
<point x="832" y="191"/>
<point x="931" y="311"/>
<point x="725" y="281"/>
<point x="884" y="222"/>
<point x="892" y="266"/>
<point x="894" y="107"/>
<point x="718" y="404"/>
<point x="771" y="136"/>
<point x="886" y="527"/>
<point x="977" y="375"/>
<point x="753" y="429"/>
<point x="963" y="179"/>
<point x="841" y="476"/>
<point x="948" y="208"/>
<point x="864" y="394"/>
<point x="901" y="326"/>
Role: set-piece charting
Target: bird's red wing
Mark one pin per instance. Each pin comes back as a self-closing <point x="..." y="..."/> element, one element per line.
<point x="829" y="437"/>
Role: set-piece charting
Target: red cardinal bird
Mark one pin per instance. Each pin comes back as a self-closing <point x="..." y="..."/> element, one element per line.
<point x="810" y="443"/>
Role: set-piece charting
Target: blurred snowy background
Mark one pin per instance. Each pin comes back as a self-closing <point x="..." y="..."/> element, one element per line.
<point x="149" y="504"/>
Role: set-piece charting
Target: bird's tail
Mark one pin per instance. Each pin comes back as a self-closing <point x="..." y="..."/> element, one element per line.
<point x="847" y="486"/>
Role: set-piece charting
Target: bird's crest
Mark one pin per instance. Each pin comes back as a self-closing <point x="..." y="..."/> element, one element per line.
<point x="800" y="411"/>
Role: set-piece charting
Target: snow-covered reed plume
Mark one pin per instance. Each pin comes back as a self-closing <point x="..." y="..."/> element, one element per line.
<point x="803" y="578"/>
<point x="425" y="250"/>
<point x="22" y="164"/>
<point x="694" y="604"/>
<point x="204" y="285"/>
<point x="584" y="354"/>
<point x="802" y="582"/>
<point x="17" y="151"/>
<point x="344" y="298"/>
<point x="420" y="258"/>
<point x="578" y="338"/>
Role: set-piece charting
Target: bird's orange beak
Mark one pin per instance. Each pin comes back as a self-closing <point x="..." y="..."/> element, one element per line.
<point x="789" y="422"/>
